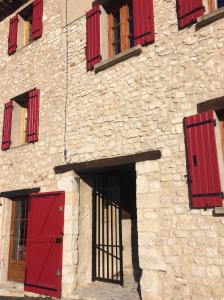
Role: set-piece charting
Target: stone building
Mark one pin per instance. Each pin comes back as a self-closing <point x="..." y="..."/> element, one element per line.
<point x="112" y="149"/>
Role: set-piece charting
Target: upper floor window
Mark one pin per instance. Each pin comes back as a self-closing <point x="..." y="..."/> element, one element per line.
<point x="189" y="10"/>
<point x="120" y="28"/>
<point x="117" y="26"/>
<point x="21" y="120"/>
<point x="26" y="26"/>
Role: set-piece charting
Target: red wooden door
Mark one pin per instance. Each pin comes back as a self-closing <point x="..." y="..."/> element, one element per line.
<point x="45" y="244"/>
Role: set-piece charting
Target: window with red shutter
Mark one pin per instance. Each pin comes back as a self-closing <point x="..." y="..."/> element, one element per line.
<point x="21" y="125"/>
<point x="13" y="31"/>
<point x="204" y="160"/>
<point x="33" y="116"/>
<point x="188" y="11"/>
<point x="7" y="125"/>
<point x="27" y="25"/>
<point x="93" y="54"/>
<point x="129" y="23"/>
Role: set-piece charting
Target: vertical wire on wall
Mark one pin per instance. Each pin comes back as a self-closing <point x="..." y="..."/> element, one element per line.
<point x="66" y="81"/>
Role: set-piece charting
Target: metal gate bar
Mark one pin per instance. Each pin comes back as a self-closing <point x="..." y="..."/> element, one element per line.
<point x="107" y="247"/>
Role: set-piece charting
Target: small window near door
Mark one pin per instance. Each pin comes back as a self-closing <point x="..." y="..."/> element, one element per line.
<point x="18" y="235"/>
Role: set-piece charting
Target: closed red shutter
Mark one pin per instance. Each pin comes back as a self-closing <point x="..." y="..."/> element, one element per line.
<point x="37" y="25"/>
<point x="204" y="162"/>
<point x="188" y="11"/>
<point x="143" y="19"/>
<point x="12" y="39"/>
<point x="7" y="125"/>
<point x="45" y="244"/>
<point x="93" y="54"/>
<point x="33" y="116"/>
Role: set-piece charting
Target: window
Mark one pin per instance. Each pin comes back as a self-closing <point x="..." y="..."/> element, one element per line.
<point x="17" y="252"/>
<point x="120" y="28"/>
<point x="188" y="11"/>
<point x="117" y="26"/>
<point x="214" y="4"/>
<point x="26" y="26"/>
<point x="21" y="120"/>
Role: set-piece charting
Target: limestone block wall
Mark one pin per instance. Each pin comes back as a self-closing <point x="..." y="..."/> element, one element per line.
<point x="137" y="105"/>
<point x="40" y="64"/>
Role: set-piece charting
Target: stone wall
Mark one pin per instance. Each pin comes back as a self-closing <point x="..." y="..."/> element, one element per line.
<point x="134" y="106"/>
<point x="137" y="105"/>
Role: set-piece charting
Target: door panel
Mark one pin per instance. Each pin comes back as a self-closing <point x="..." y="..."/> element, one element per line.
<point x="45" y="244"/>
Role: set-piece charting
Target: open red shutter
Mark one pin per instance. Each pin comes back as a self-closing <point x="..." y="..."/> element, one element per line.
<point x="37" y="25"/>
<point x="143" y="20"/>
<point x="33" y="116"/>
<point x="7" y="125"/>
<point x="188" y="11"/>
<point x="45" y="244"/>
<point x="12" y="39"/>
<point x="93" y="54"/>
<point x="204" y="160"/>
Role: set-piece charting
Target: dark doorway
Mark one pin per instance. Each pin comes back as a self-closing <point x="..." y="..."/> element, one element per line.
<point x="107" y="230"/>
<point x="115" y="236"/>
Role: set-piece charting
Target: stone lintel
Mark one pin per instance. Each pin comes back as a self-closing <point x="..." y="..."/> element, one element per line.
<point x="98" y="164"/>
<point x="212" y="104"/>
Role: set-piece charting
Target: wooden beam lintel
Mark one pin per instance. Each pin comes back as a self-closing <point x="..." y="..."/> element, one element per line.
<point x="104" y="163"/>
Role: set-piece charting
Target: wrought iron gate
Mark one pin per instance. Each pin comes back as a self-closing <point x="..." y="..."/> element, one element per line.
<point x="107" y="230"/>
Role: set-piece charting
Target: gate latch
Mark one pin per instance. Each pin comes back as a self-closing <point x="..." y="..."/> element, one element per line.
<point x="60" y="208"/>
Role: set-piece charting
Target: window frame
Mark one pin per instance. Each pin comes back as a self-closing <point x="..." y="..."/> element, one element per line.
<point x="16" y="268"/>
<point x="125" y="43"/>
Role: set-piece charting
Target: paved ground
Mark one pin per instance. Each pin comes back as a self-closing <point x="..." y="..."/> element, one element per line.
<point x="97" y="291"/>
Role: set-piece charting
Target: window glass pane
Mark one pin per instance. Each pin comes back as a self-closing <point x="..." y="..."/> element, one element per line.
<point x="220" y="3"/>
<point x="20" y="230"/>
<point x="131" y="32"/>
<point x="116" y="32"/>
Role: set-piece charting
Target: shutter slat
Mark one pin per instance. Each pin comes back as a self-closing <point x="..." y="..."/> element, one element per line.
<point x="7" y="125"/>
<point x="37" y="25"/>
<point x="204" y="161"/>
<point x="33" y="116"/>
<point x="12" y="39"/>
<point x="188" y="11"/>
<point x="143" y="20"/>
<point x="93" y="53"/>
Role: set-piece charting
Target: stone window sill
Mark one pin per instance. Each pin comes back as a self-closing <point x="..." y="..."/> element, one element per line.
<point x="135" y="51"/>
<point x="210" y="17"/>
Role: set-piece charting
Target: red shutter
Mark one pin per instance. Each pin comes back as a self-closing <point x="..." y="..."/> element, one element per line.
<point x="37" y="25"/>
<point x="204" y="162"/>
<point x="143" y="20"/>
<point x="12" y="39"/>
<point x="93" y="54"/>
<point x="45" y="244"/>
<point x="33" y="116"/>
<point x="7" y="125"/>
<point x="188" y="11"/>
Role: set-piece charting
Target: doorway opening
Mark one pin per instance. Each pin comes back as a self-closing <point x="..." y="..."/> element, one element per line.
<point x="114" y="226"/>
